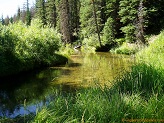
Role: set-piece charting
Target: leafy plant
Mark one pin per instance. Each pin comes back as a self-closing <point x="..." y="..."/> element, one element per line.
<point x="29" y="47"/>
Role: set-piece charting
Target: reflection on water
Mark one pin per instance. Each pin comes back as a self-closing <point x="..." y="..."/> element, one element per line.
<point x="24" y="94"/>
<point x="99" y="68"/>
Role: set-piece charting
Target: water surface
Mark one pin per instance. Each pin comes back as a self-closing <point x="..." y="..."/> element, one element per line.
<point x="26" y="93"/>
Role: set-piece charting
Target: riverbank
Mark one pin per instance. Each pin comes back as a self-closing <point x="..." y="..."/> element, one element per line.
<point x="24" y="48"/>
<point x="136" y="95"/>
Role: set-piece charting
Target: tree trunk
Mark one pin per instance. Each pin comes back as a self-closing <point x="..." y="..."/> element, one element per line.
<point x="140" y="25"/>
<point x="64" y="21"/>
<point x="97" y="26"/>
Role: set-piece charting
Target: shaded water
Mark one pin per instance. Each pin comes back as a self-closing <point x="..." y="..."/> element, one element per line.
<point x="25" y="94"/>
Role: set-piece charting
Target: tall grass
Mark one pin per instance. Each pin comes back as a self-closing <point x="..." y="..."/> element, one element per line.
<point x="136" y="95"/>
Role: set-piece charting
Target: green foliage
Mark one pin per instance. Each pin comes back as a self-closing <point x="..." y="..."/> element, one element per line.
<point x="109" y="32"/>
<point x="51" y="13"/>
<point x="154" y="52"/>
<point x="137" y="94"/>
<point x="128" y="13"/>
<point x="90" y="44"/>
<point x="127" y="48"/>
<point x="129" y="31"/>
<point x="66" y="50"/>
<point x="88" y="26"/>
<point x="25" y="47"/>
<point x="41" y="11"/>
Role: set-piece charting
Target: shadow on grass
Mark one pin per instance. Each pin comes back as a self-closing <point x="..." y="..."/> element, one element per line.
<point x="135" y="95"/>
<point x="143" y="79"/>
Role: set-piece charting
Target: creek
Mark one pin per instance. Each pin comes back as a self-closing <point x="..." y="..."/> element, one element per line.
<point x="26" y="93"/>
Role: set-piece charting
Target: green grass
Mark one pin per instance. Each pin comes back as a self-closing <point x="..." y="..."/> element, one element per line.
<point x="137" y="94"/>
<point x="127" y="48"/>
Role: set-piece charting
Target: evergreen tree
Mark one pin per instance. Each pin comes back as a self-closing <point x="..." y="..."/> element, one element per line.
<point x="18" y="14"/>
<point x="111" y="11"/>
<point x="11" y="20"/>
<point x="87" y="19"/>
<point x="41" y="11"/>
<point x="2" y="20"/>
<point x="128" y="13"/>
<point x="96" y="22"/>
<point x="103" y="15"/>
<point x="140" y="23"/>
<point x="74" y="12"/>
<point x="28" y="14"/>
<point x="109" y="32"/>
<point x="51" y="13"/>
<point x="64" y="18"/>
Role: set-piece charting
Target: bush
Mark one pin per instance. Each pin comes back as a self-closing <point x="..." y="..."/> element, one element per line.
<point x="127" y="49"/>
<point x="26" y="47"/>
<point x="154" y="53"/>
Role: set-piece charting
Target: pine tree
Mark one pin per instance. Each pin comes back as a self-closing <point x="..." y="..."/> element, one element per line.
<point x="18" y="14"/>
<point x="74" y="12"/>
<point x="128" y="13"/>
<point x="2" y="20"/>
<point x="109" y="32"/>
<point x="87" y="18"/>
<point x="111" y="11"/>
<point x="96" y="23"/>
<point x="41" y="11"/>
<point x="140" y="23"/>
<point x="64" y="18"/>
<point x="28" y="14"/>
<point x="11" y="20"/>
<point x="51" y="13"/>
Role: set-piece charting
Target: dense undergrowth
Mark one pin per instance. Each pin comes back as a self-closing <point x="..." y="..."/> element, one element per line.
<point x="24" y="48"/>
<point x="136" y="95"/>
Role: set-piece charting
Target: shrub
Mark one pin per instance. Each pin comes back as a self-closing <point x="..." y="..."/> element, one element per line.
<point x="29" y="46"/>
<point x="127" y="49"/>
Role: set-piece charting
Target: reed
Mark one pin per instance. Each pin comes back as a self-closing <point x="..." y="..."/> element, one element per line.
<point x="136" y="95"/>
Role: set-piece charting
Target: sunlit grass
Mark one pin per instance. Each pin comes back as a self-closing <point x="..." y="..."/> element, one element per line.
<point x="137" y="94"/>
<point x="128" y="49"/>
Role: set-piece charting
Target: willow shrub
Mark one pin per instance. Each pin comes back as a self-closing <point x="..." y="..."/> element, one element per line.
<point x="28" y="46"/>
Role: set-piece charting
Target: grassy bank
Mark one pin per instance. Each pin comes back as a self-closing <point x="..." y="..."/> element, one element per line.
<point x="137" y="94"/>
<point x="23" y="48"/>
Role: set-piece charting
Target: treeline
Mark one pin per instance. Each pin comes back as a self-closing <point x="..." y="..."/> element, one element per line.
<point x="101" y="20"/>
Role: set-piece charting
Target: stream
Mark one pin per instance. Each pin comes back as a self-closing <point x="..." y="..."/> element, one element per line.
<point x="26" y="93"/>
